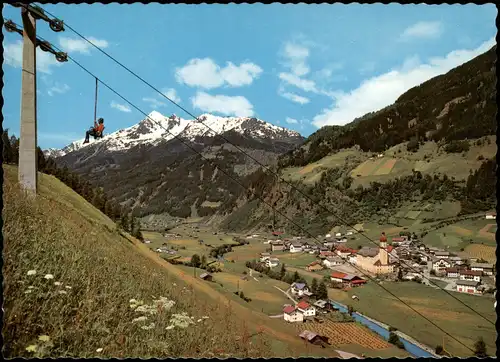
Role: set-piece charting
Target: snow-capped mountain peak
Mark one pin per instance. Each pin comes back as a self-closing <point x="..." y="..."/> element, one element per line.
<point x="156" y="128"/>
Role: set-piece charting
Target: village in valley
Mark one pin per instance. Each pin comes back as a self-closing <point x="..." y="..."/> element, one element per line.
<point x="323" y="286"/>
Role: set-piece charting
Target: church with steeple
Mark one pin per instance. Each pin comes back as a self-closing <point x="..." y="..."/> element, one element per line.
<point x="375" y="260"/>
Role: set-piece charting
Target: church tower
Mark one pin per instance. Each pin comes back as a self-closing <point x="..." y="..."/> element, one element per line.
<point x="383" y="256"/>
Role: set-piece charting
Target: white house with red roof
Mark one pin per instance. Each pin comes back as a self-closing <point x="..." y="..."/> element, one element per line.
<point x="306" y="309"/>
<point x="291" y="314"/>
<point x="474" y="275"/>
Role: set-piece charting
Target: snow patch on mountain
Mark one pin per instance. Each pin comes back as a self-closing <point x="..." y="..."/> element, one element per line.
<point x="156" y="128"/>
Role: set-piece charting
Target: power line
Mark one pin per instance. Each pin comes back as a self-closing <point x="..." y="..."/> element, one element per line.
<point x="237" y="182"/>
<point x="275" y="174"/>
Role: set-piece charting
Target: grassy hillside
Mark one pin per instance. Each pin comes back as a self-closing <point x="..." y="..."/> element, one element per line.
<point x="74" y="286"/>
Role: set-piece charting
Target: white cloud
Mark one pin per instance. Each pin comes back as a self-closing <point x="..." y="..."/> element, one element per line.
<point x="295" y="98"/>
<point x="296" y="57"/>
<point x="172" y="94"/>
<point x="158" y="101"/>
<point x="205" y="73"/>
<point x="291" y="120"/>
<point x="120" y="107"/>
<point x="381" y="91"/>
<point x="422" y="29"/>
<point x="58" y="88"/>
<point x="13" y="56"/>
<point x="301" y="83"/>
<point x="226" y="105"/>
<point x="71" y="45"/>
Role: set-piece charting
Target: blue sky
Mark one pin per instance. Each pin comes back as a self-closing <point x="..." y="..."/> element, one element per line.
<point x="298" y="66"/>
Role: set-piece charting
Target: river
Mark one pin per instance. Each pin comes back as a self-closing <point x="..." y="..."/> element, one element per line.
<point x="413" y="348"/>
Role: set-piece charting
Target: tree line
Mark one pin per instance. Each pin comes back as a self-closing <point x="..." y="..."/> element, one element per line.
<point x="121" y="215"/>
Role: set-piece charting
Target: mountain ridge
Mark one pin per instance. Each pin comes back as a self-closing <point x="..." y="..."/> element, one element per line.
<point x="156" y="128"/>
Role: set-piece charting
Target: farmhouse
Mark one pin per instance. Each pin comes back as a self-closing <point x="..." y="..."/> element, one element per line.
<point x="439" y="265"/>
<point x="264" y="256"/>
<point x="306" y="246"/>
<point x="467" y="286"/>
<point x="290" y="314"/>
<point x="456" y="260"/>
<point x="332" y="261"/>
<point x="299" y="289"/>
<point x="380" y="263"/>
<point x="313" y="338"/>
<point x="206" y="276"/>
<point x="453" y="272"/>
<point x="321" y="304"/>
<point x="486" y="269"/>
<point x="474" y="275"/>
<point x="326" y="254"/>
<point x="272" y="262"/>
<point x="315" y="265"/>
<point x="306" y="309"/>
<point x="344" y="252"/>
<point x="491" y="216"/>
<point x="277" y="246"/>
<point x="424" y="257"/>
<point x="295" y="247"/>
<point x="442" y="254"/>
<point x="348" y="279"/>
<point x="329" y="244"/>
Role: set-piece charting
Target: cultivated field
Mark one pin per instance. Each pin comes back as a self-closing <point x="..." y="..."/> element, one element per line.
<point x="345" y="333"/>
<point x="448" y="313"/>
<point x="481" y="251"/>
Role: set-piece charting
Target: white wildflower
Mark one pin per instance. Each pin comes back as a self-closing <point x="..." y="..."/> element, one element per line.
<point x="199" y="320"/>
<point x="68" y="287"/>
<point x="31" y="272"/>
<point x="174" y="284"/>
<point x="139" y="319"/>
<point x="32" y="348"/>
<point x="48" y="276"/>
<point x="170" y="326"/>
<point x="31" y="287"/>
<point x="57" y="283"/>
<point x="181" y="320"/>
<point x="27" y="291"/>
<point x="63" y="292"/>
<point x="98" y="350"/>
<point x="44" y="338"/>
<point x="132" y="301"/>
<point x="205" y="317"/>
<point x="150" y="326"/>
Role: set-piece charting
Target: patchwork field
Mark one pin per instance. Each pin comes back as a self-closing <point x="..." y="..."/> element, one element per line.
<point x="481" y="251"/>
<point x="312" y="172"/>
<point x="448" y="313"/>
<point x="344" y="333"/>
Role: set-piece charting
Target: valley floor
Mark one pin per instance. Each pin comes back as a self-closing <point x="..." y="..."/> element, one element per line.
<point x="267" y="295"/>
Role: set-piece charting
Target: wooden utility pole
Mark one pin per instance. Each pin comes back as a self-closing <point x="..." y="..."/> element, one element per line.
<point x="28" y="158"/>
<point x="28" y="165"/>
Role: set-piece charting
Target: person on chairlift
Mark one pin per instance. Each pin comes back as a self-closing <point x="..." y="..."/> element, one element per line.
<point x="95" y="131"/>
